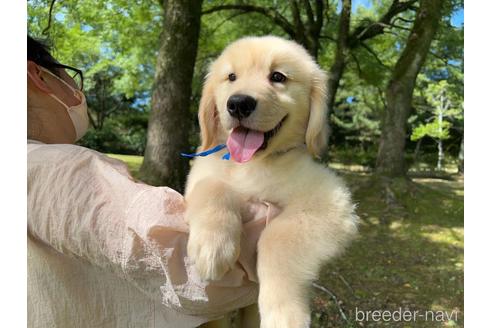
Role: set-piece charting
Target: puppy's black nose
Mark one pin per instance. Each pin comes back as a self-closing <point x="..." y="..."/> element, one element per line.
<point x="241" y="106"/>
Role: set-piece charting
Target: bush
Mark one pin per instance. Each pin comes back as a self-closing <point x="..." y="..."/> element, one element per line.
<point x="120" y="134"/>
<point x="353" y="155"/>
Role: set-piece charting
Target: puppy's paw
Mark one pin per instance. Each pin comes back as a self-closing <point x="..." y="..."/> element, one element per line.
<point x="214" y="251"/>
<point x="283" y="313"/>
<point x="285" y="316"/>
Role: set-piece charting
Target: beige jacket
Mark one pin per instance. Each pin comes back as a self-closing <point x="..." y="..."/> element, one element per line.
<point x="107" y="251"/>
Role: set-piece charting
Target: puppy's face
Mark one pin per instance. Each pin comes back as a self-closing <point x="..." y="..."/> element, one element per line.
<point x="264" y="95"/>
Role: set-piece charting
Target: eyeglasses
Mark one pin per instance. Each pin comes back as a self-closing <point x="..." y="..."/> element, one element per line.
<point x="74" y="73"/>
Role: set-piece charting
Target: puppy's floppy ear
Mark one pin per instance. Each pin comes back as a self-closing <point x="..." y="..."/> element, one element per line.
<point x="317" y="130"/>
<point x="207" y="115"/>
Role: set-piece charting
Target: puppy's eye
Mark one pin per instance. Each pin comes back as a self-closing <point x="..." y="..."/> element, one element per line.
<point x="277" y="77"/>
<point x="232" y="77"/>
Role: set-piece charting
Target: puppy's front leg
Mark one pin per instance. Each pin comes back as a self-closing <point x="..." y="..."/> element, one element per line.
<point x="214" y="215"/>
<point x="290" y="253"/>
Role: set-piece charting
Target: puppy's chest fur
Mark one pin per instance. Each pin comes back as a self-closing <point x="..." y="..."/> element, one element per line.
<point x="282" y="179"/>
<point x="258" y="182"/>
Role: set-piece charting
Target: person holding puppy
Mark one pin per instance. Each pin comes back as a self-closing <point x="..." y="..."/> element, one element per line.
<point x="105" y="250"/>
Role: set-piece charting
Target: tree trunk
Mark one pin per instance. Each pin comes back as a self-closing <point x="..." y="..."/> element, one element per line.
<point x="391" y="159"/>
<point x="347" y="41"/>
<point x="440" y="152"/>
<point x="308" y="33"/>
<point x="440" y="155"/>
<point x="170" y="118"/>
<point x="417" y="151"/>
<point x="338" y="66"/>
<point x="461" y="157"/>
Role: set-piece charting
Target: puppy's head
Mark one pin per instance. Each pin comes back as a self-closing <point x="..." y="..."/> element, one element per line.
<point x="264" y="95"/>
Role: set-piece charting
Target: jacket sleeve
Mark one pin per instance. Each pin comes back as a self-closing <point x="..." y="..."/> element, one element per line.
<point x="86" y="205"/>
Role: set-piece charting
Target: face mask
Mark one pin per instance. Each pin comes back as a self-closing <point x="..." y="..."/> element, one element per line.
<point x="78" y="113"/>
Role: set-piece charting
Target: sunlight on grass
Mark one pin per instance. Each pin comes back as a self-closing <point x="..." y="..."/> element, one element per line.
<point x="452" y="236"/>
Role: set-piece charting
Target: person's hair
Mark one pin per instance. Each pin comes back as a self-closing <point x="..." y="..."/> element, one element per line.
<point x="39" y="52"/>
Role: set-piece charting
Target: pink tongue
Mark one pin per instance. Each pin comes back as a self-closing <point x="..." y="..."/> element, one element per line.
<point x="243" y="143"/>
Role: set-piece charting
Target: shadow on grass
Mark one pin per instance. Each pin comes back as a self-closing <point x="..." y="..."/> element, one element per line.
<point x="413" y="261"/>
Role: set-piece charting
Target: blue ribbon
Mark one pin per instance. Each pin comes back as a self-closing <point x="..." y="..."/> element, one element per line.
<point x="209" y="151"/>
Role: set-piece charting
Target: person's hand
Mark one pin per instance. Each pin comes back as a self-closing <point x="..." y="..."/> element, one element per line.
<point x="255" y="217"/>
<point x="159" y="249"/>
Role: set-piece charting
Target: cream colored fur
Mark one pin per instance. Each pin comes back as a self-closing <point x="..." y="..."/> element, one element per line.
<point x="317" y="218"/>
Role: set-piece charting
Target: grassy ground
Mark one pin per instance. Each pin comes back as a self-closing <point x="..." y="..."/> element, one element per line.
<point x="405" y="259"/>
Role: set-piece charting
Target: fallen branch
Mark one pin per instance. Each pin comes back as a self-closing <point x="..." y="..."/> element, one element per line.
<point x="345" y="282"/>
<point x="333" y="296"/>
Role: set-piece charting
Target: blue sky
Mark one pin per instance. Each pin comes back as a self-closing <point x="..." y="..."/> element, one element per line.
<point x="458" y="17"/>
<point x="365" y="3"/>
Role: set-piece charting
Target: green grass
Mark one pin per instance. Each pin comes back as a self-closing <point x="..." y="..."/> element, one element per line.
<point x="409" y="258"/>
<point x="132" y="161"/>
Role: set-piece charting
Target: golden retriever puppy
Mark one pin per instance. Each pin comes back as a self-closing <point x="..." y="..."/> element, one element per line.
<point x="265" y="98"/>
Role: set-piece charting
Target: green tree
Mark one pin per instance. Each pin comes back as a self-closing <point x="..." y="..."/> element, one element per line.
<point x="102" y="98"/>
<point x="444" y="64"/>
<point x="116" y="43"/>
<point x="303" y="24"/>
<point x="390" y="160"/>
<point x="444" y="106"/>
<point x="97" y="36"/>
<point x="170" y="117"/>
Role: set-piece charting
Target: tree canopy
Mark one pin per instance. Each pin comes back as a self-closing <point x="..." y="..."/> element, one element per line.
<point x="116" y="43"/>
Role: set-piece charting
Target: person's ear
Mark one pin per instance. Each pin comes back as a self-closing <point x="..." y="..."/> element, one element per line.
<point x="34" y="73"/>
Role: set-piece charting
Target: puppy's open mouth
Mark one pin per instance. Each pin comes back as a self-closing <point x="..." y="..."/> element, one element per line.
<point x="243" y="143"/>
